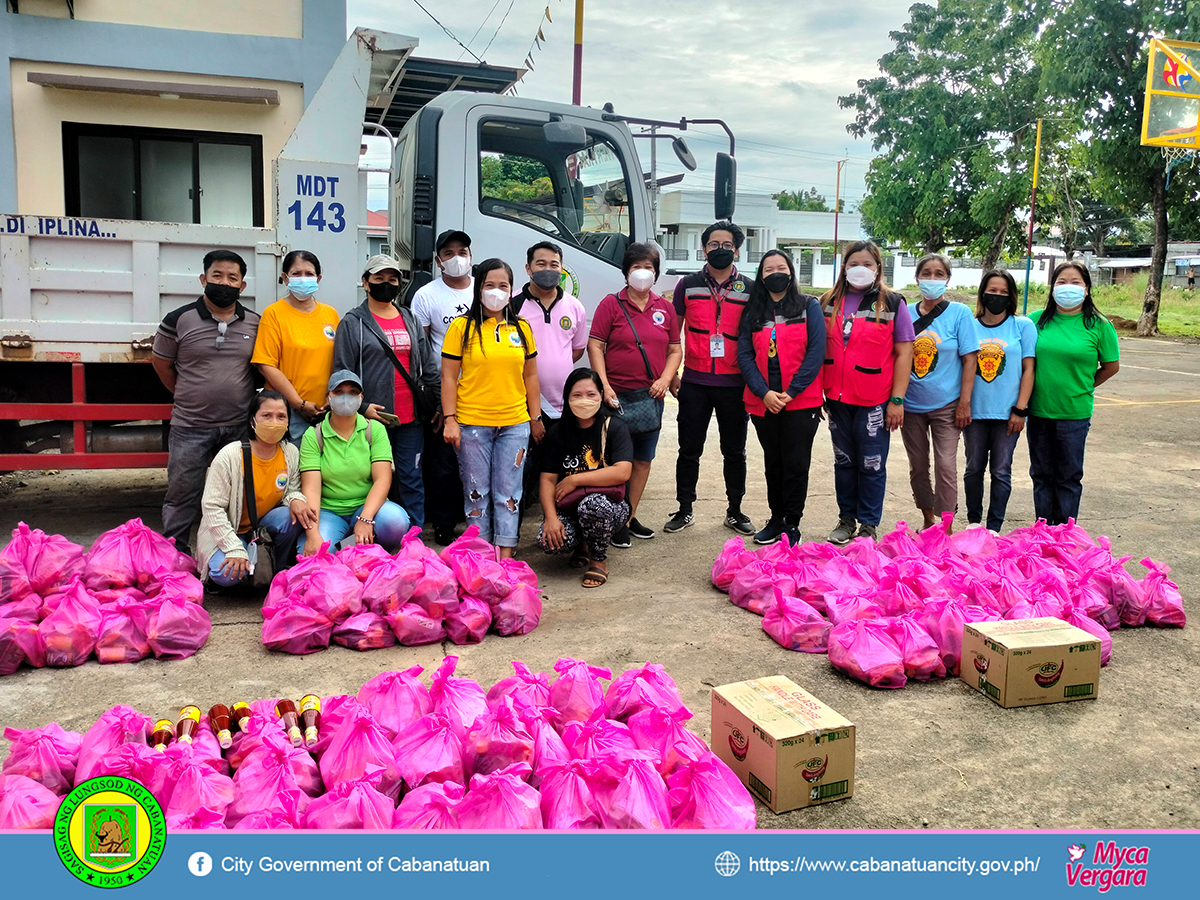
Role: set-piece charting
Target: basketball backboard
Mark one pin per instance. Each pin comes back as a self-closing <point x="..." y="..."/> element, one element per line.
<point x="1172" y="113"/>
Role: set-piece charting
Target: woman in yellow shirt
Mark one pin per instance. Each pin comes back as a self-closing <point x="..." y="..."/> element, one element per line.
<point x="490" y="397"/>
<point x="294" y="348"/>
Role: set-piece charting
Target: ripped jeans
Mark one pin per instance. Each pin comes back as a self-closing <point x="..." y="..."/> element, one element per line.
<point x="860" y="451"/>
<point x="491" y="461"/>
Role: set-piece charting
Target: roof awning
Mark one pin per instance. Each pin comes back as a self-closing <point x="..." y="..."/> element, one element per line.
<point x="168" y="90"/>
<point x="402" y="87"/>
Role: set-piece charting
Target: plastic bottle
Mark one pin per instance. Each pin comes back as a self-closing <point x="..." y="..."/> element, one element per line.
<point x="286" y="710"/>
<point x="310" y="718"/>
<point x="218" y="717"/>
<point x="241" y="714"/>
<point x="163" y="734"/>
<point x="188" y="724"/>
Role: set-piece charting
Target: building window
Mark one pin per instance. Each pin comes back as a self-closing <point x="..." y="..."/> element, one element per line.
<point x="163" y="175"/>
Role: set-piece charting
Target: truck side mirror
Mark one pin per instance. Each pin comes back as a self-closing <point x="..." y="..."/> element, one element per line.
<point x="725" y="191"/>
<point x="679" y="145"/>
<point x="565" y="134"/>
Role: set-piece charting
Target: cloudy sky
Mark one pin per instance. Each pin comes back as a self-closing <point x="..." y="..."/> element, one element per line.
<point x="772" y="69"/>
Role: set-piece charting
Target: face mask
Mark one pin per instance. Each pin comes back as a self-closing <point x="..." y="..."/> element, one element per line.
<point x="932" y="290"/>
<point x="270" y="432"/>
<point x="383" y="291"/>
<point x="861" y="277"/>
<point x="222" y="295"/>
<point x="995" y="303"/>
<point x="1069" y="296"/>
<point x="546" y="278"/>
<point x="343" y="404"/>
<point x="494" y="299"/>
<point x="585" y="407"/>
<point x="641" y="279"/>
<point x="720" y="259"/>
<point x="302" y="287"/>
<point x="777" y="282"/>
<point x="457" y="266"/>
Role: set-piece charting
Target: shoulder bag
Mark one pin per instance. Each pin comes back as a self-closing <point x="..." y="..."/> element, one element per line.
<point x="425" y="402"/>
<point x="641" y="412"/>
<point x="262" y="566"/>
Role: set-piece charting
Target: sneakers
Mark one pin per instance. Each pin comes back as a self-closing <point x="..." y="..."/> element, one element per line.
<point x="770" y="533"/>
<point x="678" y="521"/>
<point x="740" y="523"/>
<point x="444" y="534"/>
<point x="793" y="533"/>
<point x="638" y="530"/>
<point x="620" y="538"/>
<point x="843" y="532"/>
<point x="865" y="530"/>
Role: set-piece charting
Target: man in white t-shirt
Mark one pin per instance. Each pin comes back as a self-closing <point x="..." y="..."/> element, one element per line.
<point x="436" y="305"/>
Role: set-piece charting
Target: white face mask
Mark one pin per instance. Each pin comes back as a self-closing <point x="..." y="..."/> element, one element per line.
<point x="641" y="279"/>
<point x="494" y="299"/>
<point x="344" y="404"/>
<point x="457" y="266"/>
<point x="861" y="277"/>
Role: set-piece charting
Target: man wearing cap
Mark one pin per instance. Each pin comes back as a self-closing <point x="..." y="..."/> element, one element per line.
<point x="388" y="349"/>
<point x="435" y="306"/>
<point x="202" y="355"/>
<point x="346" y="472"/>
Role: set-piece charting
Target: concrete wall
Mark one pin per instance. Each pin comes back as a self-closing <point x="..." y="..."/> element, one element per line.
<point x="266" y="18"/>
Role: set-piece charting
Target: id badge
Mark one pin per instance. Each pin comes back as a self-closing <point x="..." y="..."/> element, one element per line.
<point x="716" y="346"/>
<point x="252" y="553"/>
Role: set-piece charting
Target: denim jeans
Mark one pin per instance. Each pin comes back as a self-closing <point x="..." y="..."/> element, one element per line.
<point x="1056" y="466"/>
<point x="491" y="461"/>
<point x="391" y="524"/>
<point x="697" y="403"/>
<point x="297" y="425"/>
<point x="860" y="451"/>
<point x="189" y="451"/>
<point x="408" y="481"/>
<point x="989" y="446"/>
<point x="284" y="532"/>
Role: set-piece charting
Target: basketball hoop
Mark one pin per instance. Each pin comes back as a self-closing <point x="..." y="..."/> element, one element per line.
<point x="1177" y="156"/>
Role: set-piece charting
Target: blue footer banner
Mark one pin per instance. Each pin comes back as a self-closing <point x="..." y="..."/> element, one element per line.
<point x="925" y="864"/>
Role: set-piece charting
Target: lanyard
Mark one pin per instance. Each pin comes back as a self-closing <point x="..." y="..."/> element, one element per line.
<point x="717" y="293"/>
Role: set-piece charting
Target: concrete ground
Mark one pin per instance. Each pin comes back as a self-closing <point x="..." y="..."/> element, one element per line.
<point x="936" y="755"/>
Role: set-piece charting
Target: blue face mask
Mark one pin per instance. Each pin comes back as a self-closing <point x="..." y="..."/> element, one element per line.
<point x="302" y="287"/>
<point x="932" y="290"/>
<point x="1069" y="296"/>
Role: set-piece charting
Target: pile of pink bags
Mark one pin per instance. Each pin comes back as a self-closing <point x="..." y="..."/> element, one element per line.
<point x="130" y="595"/>
<point x="365" y="598"/>
<point x="895" y="610"/>
<point x="530" y="752"/>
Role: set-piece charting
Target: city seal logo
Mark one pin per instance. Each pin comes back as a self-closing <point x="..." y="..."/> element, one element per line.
<point x="329" y="331"/>
<point x="659" y="317"/>
<point x="739" y="286"/>
<point x="565" y="323"/>
<point x="514" y="338"/>
<point x="925" y="355"/>
<point x="991" y="361"/>
<point x="281" y="481"/>
<point x="110" y="832"/>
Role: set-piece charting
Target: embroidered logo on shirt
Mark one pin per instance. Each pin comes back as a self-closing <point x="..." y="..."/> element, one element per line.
<point x="658" y="317"/>
<point x="328" y="331"/>
<point x="281" y="481"/>
<point x="738" y="286"/>
<point x="565" y="323"/>
<point x="514" y="338"/>
<point x="991" y="361"/>
<point x="925" y="354"/>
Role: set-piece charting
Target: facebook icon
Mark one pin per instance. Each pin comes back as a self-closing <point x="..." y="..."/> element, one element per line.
<point x="200" y="864"/>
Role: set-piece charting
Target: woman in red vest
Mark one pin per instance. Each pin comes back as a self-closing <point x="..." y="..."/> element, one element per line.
<point x="868" y="356"/>
<point x="781" y="347"/>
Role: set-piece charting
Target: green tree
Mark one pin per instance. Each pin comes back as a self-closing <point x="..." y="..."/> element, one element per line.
<point x="515" y="178"/>
<point x="806" y="201"/>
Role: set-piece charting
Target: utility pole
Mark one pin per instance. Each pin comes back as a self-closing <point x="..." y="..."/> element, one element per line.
<point x="577" y="80"/>
<point x="1037" y="155"/>
<point x="653" y="180"/>
<point x="837" y="203"/>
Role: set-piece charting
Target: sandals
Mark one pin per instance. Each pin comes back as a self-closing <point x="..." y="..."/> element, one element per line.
<point x="597" y="576"/>
<point x="579" y="560"/>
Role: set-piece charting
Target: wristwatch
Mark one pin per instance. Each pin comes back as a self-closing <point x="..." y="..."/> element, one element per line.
<point x="1017" y="411"/>
<point x="899" y="401"/>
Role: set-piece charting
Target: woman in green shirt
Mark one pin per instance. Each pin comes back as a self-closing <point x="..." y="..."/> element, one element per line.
<point x="1076" y="353"/>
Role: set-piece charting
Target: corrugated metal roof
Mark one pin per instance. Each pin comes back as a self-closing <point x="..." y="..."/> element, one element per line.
<point x="397" y="94"/>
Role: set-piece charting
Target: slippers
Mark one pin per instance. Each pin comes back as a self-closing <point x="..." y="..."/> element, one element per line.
<point x="595" y="575"/>
<point x="579" y="560"/>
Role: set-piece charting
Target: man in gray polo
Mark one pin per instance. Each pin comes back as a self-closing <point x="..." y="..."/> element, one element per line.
<point x="202" y="354"/>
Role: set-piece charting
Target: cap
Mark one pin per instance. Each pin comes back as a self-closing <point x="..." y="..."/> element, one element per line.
<point x="451" y="235"/>
<point x="344" y="376"/>
<point x="380" y="262"/>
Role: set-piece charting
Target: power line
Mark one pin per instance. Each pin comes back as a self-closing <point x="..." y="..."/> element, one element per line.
<point x="449" y="33"/>
<point x="482" y="22"/>
<point x="501" y="25"/>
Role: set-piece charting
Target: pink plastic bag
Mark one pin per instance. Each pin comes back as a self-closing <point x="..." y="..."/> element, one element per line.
<point x="976" y="544"/>
<point x="470" y="622"/>
<point x="460" y="700"/>
<point x="352" y="804"/>
<point x="920" y="652"/>
<point x="638" y="689"/>
<point x="39" y="561"/>
<point x="898" y="543"/>
<point x="334" y="592"/>
<point x="362" y="559"/>
<point x="567" y="801"/>
<point x="364" y="631"/>
<point x="706" y="794"/>
<point x="473" y="562"/>
<point x="334" y="711"/>
<point x="935" y="541"/>
<point x="48" y="755"/>
<point x="501" y="801"/>
<point x="753" y="588"/>
<point x="577" y="692"/>
<point x="429" y="751"/>
<point x="548" y="747"/>
<point x="295" y="628"/>
<point x="1129" y="595"/>
<point x="130" y="555"/>
<point x="944" y="621"/>
<point x="519" y="572"/>
<point x="18" y="643"/>
<point x="865" y="650"/>
<point x="396" y="699"/>
<point x="359" y="743"/>
<point x="732" y="559"/>
<point x="275" y="778"/>
<point x="631" y="793"/>
<point x="597" y="737"/>
<point x="413" y="626"/>
<point x="295" y="578"/>
<point x="193" y="784"/>
<point x="390" y="585"/>
<point x="1164" y="603"/>
<point x="436" y="591"/>
<point x="430" y="807"/>
<point x="28" y="608"/>
<point x="524" y="688"/>
<point x="795" y="625"/>
<point x="178" y="629"/>
<point x="123" y="628"/>
<point x="519" y="612"/>
<point x="69" y="633"/>
<point x="498" y="739"/>
<point x="664" y="736"/>
<point x="181" y="584"/>
<point x="137" y="762"/>
<point x="286" y="812"/>
<point x="1079" y="620"/>
<point x="24" y="803"/>
<point x="203" y="819"/>
<point x="848" y="606"/>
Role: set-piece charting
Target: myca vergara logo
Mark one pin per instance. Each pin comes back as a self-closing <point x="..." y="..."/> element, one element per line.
<point x="110" y="832"/>
<point x="1110" y="866"/>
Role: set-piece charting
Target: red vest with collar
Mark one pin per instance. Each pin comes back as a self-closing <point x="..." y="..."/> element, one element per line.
<point x="860" y="371"/>
<point x="702" y="322"/>
<point x="791" y="343"/>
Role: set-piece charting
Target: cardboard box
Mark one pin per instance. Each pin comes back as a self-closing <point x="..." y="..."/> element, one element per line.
<point x="787" y="747"/>
<point x="1026" y="662"/>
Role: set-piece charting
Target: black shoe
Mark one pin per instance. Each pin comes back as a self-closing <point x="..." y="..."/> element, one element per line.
<point x="679" y="521"/>
<point x="740" y="523"/>
<point x="793" y="533"/>
<point x="444" y="534"/>
<point x="770" y="532"/>
<point x="638" y="530"/>
<point x="621" y="539"/>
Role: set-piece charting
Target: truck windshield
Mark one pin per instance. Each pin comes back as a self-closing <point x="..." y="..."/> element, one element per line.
<point x="579" y="195"/>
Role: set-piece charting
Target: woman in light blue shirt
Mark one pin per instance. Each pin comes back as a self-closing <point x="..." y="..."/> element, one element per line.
<point x="938" y="403"/>
<point x="999" y="403"/>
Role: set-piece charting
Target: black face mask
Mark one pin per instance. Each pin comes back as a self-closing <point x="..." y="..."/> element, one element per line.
<point x="996" y="303"/>
<point x="777" y="282"/>
<point x="383" y="291"/>
<point x="546" y="278"/>
<point x="222" y="295"/>
<point x="720" y="259"/>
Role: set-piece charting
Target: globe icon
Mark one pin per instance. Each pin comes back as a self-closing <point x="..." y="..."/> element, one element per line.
<point x="728" y="863"/>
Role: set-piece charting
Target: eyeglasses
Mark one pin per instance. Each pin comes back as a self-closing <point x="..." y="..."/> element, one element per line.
<point x="222" y="327"/>
<point x="713" y="245"/>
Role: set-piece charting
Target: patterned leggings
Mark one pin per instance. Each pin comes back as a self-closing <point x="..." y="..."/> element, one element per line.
<point x="592" y="524"/>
